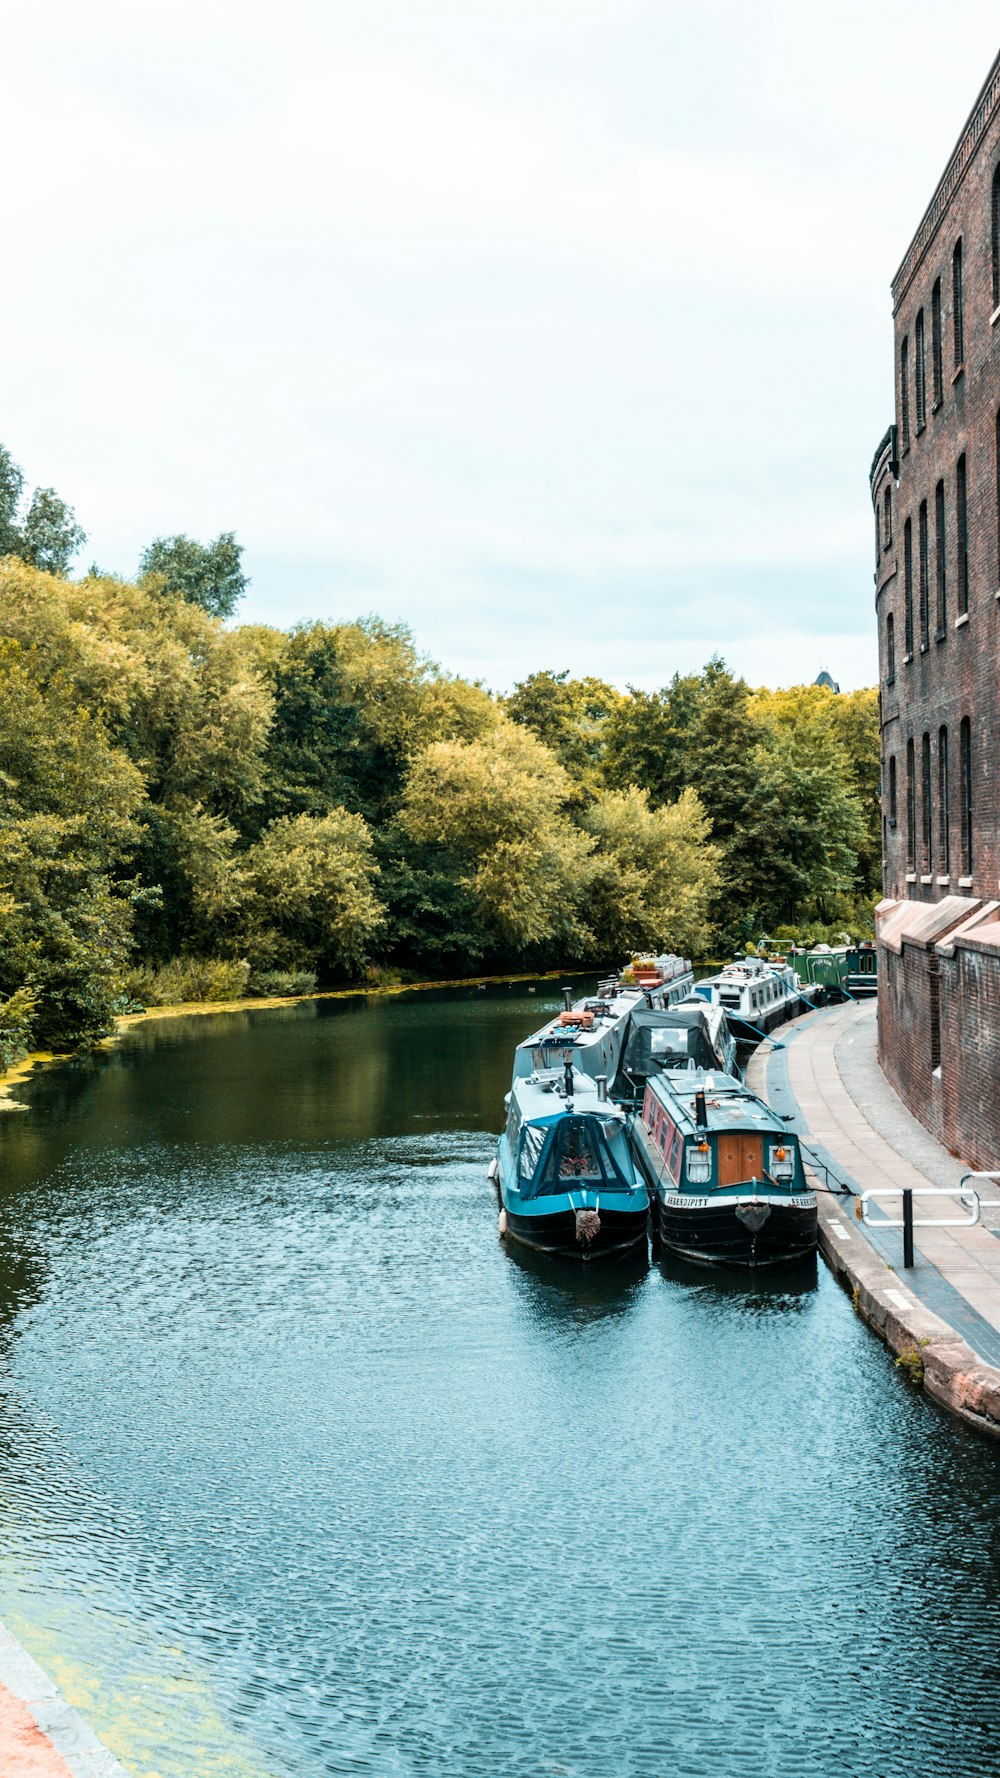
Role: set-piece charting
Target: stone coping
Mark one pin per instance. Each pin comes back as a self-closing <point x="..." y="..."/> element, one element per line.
<point x="41" y="1736"/>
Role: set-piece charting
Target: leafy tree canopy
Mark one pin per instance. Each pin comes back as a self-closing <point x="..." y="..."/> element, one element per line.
<point x="206" y="574"/>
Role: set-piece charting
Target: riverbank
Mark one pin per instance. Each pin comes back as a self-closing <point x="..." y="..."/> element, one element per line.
<point x="19" y="1072"/>
<point x="940" y="1318"/>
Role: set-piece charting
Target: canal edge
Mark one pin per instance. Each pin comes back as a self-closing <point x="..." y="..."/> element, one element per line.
<point x="41" y="1734"/>
<point x="934" y="1356"/>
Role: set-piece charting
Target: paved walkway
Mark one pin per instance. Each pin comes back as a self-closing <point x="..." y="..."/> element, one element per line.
<point x="41" y="1736"/>
<point x="822" y="1073"/>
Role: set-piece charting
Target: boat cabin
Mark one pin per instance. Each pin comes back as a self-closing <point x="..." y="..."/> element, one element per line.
<point x="709" y="1131"/>
<point x="553" y="1144"/>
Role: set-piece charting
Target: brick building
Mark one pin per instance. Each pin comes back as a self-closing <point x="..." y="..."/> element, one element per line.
<point x="935" y="485"/>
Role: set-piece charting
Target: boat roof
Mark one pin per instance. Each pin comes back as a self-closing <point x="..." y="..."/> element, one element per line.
<point x="729" y="1103"/>
<point x="541" y="1096"/>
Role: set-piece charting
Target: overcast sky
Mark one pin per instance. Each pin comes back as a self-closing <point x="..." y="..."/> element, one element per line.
<point x="558" y="329"/>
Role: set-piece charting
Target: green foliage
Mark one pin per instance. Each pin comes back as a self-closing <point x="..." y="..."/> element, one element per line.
<point x="206" y="574"/>
<point x="253" y="811"/>
<point x="187" y="980"/>
<point x="272" y="983"/>
<point x="655" y="874"/>
<point x="47" y="536"/>
<point x="311" y="897"/>
<point x="17" y="1024"/>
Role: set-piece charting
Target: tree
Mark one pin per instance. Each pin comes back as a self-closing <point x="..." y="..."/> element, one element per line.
<point x="311" y="896"/>
<point x="655" y="876"/>
<point x="68" y="802"/>
<point x="493" y="813"/>
<point x="570" y="715"/>
<point x="48" y="536"/>
<point x="206" y="574"/>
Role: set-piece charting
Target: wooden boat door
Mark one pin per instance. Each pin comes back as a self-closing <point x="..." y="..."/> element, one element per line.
<point x="741" y="1157"/>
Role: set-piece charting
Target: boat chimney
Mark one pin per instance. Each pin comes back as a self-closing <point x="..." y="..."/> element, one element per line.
<point x="602" y="1088"/>
<point x="568" y="1079"/>
<point x="567" y="995"/>
<point x="700" y="1111"/>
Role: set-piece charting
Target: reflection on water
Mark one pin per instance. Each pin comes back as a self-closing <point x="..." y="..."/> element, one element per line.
<point x="304" y="1473"/>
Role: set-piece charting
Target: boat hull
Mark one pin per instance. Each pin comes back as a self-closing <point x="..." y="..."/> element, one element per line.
<point x="556" y="1233"/>
<point x="738" y="1230"/>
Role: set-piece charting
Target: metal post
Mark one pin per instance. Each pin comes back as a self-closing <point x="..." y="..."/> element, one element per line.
<point x="907" y="1227"/>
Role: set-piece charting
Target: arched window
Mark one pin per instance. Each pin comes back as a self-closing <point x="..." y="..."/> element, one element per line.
<point x="962" y="535"/>
<point x="920" y="371"/>
<point x="887" y="513"/>
<point x="922" y="556"/>
<point x="908" y="589"/>
<point x="965" y="768"/>
<point x="892" y="790"/>
<point x="911" y="809"/>
<point x="890" y="650"/>
<point x="940" y="569"/>
<point x="957" y="304"/>
<point x="944" y="822"/>
<point x="937" y="366"/>
<point x="904" y="393"/>
<point x="995" y="213"/>
<point x="926" y="832"/>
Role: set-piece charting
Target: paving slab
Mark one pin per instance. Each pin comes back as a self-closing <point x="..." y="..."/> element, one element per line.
<point x="821" y="1074"/>
<point x="41" y="1735"/>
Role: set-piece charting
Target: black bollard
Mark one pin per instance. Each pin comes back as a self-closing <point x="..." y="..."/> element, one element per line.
<point x="907" y="1228"/>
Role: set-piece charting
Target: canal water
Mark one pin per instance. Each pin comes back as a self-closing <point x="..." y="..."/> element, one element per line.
<point x="302" y="1473"/>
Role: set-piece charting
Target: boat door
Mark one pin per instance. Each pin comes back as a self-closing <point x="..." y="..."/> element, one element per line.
<point x="741" y="1157"/>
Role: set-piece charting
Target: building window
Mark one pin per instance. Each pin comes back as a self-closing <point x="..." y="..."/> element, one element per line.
<point x="890" y="649"/>
<point x="887" y="511"/>
<point x="944" y="864"/>
<point x="940" y="567"/>
<point x="920" y="371"/>
<point x="904" y="393"/>
<point x="908" y="589"/>
<point x="957" y="305"/>
<point x="962" y="542"/>
<point x="911" y="809"/>
<point x="937" y="367"/>
<point x="892" y="790"/>
<point x="926" y="830"/>
<point x="965" y="766"/>
<point x="922" y="557"/>
<point x="995" y="207"/>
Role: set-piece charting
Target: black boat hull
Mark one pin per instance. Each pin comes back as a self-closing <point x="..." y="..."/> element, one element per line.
<point x="620" y="1231"/>
<point x="717" y="1233"/>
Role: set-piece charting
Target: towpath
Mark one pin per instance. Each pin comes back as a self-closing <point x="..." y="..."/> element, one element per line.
<point x="41" y="1736"/>
<point x="942" y="1316"/>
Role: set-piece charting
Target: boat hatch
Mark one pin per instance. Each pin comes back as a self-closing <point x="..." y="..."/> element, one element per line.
<point x="572" y="1151"/>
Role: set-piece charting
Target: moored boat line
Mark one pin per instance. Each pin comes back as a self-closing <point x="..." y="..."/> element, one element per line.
<point x="758" y="994"/>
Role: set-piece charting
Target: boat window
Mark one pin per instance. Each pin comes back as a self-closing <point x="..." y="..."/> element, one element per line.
<point x="670" y="1041"/>
<point x="532" y="1143"/>
<point x="513" y="1124"/>
<point x="780" y="1162"/>
<point x="699" y="1164"/>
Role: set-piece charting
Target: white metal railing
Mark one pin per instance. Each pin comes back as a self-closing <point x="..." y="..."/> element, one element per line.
<point x="964" y="1194"/>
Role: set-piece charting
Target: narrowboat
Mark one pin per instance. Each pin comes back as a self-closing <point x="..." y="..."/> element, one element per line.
<point x="840" y="972"/>
<point x="725" y="1174"/>
<point x="565" y="1177"/>
<point x="757" y="995"/>
<point x="590" y="1033"/>
<point x="690" y="1034"/>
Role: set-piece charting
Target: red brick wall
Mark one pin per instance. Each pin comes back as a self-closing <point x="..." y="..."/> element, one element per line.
<point x="960" y="1102"/>
<point x="955" y="674"/>
<point x="955" y="671"/>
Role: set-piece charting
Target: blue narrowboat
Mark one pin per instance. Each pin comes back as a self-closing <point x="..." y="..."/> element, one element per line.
<point x="725" y="1174"/>
<point x="564" y="1173"/>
